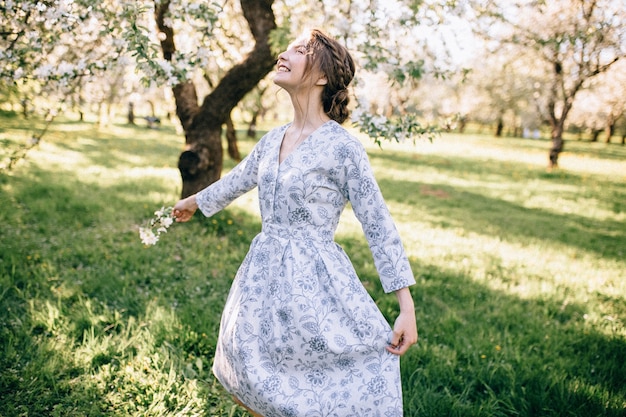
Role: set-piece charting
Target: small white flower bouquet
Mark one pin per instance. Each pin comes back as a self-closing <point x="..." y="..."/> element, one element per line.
<point x="162" y="220"/>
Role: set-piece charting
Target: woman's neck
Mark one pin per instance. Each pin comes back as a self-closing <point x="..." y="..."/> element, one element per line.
<point x="308" y="117"/>
<point x="308" y="112"/>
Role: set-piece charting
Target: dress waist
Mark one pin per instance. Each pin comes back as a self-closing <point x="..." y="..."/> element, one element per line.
<point x="281" y="232"/>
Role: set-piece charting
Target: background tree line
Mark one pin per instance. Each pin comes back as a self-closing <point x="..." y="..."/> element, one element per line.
<point x="519" y="67"/>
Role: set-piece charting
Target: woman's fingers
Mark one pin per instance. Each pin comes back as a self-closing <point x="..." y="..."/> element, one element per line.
<point x="398" y="345"/>
<point x="404" y="334"/>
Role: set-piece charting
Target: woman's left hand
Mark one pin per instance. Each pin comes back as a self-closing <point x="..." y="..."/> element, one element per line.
<point x="404" y="333"/>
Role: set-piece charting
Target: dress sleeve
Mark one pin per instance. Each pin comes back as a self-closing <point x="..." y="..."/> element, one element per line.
<point x="241" y="179"/>
<point x="381" y="233"/>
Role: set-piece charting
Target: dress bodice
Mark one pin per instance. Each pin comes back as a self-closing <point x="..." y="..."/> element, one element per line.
<point x="304" y="196"/>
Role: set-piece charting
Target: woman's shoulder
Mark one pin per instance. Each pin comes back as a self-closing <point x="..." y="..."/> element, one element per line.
<point x="342" y="137"/>
<point x="339" y="134"/>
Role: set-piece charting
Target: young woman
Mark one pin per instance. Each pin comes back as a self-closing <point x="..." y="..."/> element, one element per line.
<point x="300" y="335"/>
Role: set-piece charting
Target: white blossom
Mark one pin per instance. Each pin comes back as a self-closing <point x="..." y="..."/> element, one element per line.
<point x="357" y="114"/>
<point x="167" y="222"/>
<point x="162" y="220"/>
<point x="43" y="71"/>
<point x="166" y="66"/>
<point x="65" y="69"/>
<point x="18" y="74"/>
<point x="81" y="66"/>
<point x="148" y="237"/>
<point x="379" y="121"/>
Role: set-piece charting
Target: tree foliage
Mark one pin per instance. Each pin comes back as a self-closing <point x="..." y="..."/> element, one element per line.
<point x="571" y="42"/>
<point x="61" y="46"/>
<point x="55" y="44"/>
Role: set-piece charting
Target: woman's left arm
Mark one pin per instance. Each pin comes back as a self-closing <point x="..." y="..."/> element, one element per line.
<point x="368" y="205"/>
<point x="390" y="258"/>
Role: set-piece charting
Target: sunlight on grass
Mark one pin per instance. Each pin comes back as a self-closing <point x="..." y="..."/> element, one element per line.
<point x="56" y="157"/>
<point x="485" y="148"/>
<point x="520" y="274"/>
<point x="96" y="174"/>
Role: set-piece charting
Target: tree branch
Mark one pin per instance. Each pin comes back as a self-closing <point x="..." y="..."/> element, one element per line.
<point x="242" y="78"/>
<point x="185" y="93"/>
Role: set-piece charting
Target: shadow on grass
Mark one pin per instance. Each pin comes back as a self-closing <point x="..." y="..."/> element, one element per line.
<point x="73" y="270"/>
<point x="497" y="217"/>
<point x="614" y="151"/>
<point x="487" y="353"/>
<point x="482" y="352"/>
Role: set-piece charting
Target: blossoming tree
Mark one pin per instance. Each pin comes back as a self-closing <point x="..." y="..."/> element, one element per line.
<point x="64" y="45"/>
<point x="571" y="41"/>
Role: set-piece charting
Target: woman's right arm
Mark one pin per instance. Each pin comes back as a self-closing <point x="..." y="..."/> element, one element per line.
<point x="242" y="178"/>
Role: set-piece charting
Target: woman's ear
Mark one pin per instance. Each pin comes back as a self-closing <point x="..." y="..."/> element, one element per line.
<point x="322" y="80"/>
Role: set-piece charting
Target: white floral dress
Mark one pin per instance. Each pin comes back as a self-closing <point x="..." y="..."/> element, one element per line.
<point x="300" y="335"/>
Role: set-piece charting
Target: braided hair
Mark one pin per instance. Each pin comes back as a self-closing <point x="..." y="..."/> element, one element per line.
<point x="337" y="65"/>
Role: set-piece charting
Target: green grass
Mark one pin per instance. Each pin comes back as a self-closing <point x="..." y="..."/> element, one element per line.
<point x="521" y="294"/>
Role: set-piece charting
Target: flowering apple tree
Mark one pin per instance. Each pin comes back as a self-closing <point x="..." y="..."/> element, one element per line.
<point x="57" y="49"/>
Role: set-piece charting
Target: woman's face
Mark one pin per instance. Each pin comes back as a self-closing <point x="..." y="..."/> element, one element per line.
<point x="291" y="67"/>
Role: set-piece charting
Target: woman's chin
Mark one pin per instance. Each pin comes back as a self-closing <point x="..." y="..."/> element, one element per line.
<point x="279" y="80"/>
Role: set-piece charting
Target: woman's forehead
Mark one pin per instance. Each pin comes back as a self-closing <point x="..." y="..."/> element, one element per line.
<point x="303" y="39"/>
<point x="300" y="41"/>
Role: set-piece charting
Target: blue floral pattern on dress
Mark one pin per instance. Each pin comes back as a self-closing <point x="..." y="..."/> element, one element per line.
<point x="300" y="335"/>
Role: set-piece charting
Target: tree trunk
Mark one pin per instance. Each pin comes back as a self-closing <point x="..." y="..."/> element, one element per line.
<point x="499" y="127"/>
<point x="252" y="126"/>
<point x="557" y="144"/>
<point x="25" y="110"/>
<point x="231" y="140"/>
<point x="462" y="124"/>
<point x="610" y="128"/>
<point x="594" y="134"/>
<point x="201" y="162"/>
<point x="131" y="113"/>
<point x="557" y="123"/>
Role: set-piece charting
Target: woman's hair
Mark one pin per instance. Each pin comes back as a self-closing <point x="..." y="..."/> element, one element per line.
<point x="334" y="61"/>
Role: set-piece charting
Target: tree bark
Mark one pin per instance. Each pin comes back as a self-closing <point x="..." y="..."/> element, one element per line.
<point x="558" y="126"/>
<point x="131" y="113"/>
<point x="231" y="140"/>
<point x="595" y="133"/>
<point x="201" y="162"/>
<point x="557" y="145"/>
<point x="610" y="127"/>
<point x="252" y="126"/>
<point x="499" y="127"/>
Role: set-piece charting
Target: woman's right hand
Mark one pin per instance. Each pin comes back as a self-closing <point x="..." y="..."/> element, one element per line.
<point x="183" y="210"/>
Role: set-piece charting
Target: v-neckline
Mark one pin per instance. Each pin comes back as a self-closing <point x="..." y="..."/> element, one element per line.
<point x="294" y="150"/>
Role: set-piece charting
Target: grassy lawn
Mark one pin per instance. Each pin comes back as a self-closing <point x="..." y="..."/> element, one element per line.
<point x="521" y="294"/>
